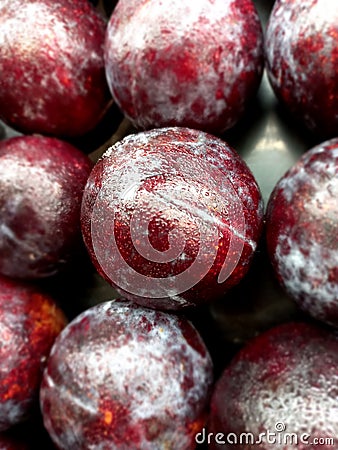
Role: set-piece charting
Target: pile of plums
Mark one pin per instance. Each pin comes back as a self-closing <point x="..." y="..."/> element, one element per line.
<point x="170" y="219"/>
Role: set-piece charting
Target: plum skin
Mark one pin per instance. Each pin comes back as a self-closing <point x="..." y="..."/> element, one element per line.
<point x="192" y="184"/>
<point x="182" y="63"/>
<point x="301" y="230"/>
<point x="29" y="323"/>
<point x="41" y="185"/>
<point x="52" y="69"/>
<point x="287" y="374"/>
<point x="301" y="55"/>
<point x="122" y="376"/>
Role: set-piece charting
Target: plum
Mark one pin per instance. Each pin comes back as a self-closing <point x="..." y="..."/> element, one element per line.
<point x="171" y="217"/>
<point x="30" y="320"/>
<point x="301" y="49"/>
<point x="183" y="63"/>
<point x="301" y="231"/>
<point x="41" y="185"/>
<point x="279" y="391"/>
<point x="52" y="68"/>
<point x="121" y="376"/>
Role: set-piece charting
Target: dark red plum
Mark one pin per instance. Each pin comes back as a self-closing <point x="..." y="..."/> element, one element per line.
<point x="125" y="377"/>
<point x="29" y="323"/>
<point x="51" y="64"/>
<point x="302" y="229"/>
<point x="171" y="217"/>
<point x="41" y="185"/>
<point x="301" y="48"/>
<point x="280" y="391"/>
<point x="183" y="63"/>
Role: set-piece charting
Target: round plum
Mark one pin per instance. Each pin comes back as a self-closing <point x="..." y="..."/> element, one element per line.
<point x="302" y="228"/>
<point x="29" y="323"/>
<point x="125" y="377"/>
<point x="171" y="217"/>
<point x="302" y="58"/>
<point x="280" y="391"/>
<point x="52" y="68"/>
<point x="41" y="185"/>
<point x="183" y="63"/>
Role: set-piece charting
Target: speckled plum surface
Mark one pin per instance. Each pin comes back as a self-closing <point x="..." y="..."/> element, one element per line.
<point x="125" y="377"/>
<point x="171" y="217"/>
<point x="282" y="382"/>
<point x="29" y="324"/>
<point x="41" y="185"/>
<point x="302" y="228"/>
<point x="51" y="64"/>
<point x="302" y="58"/>
<point x="184" y="63"/>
